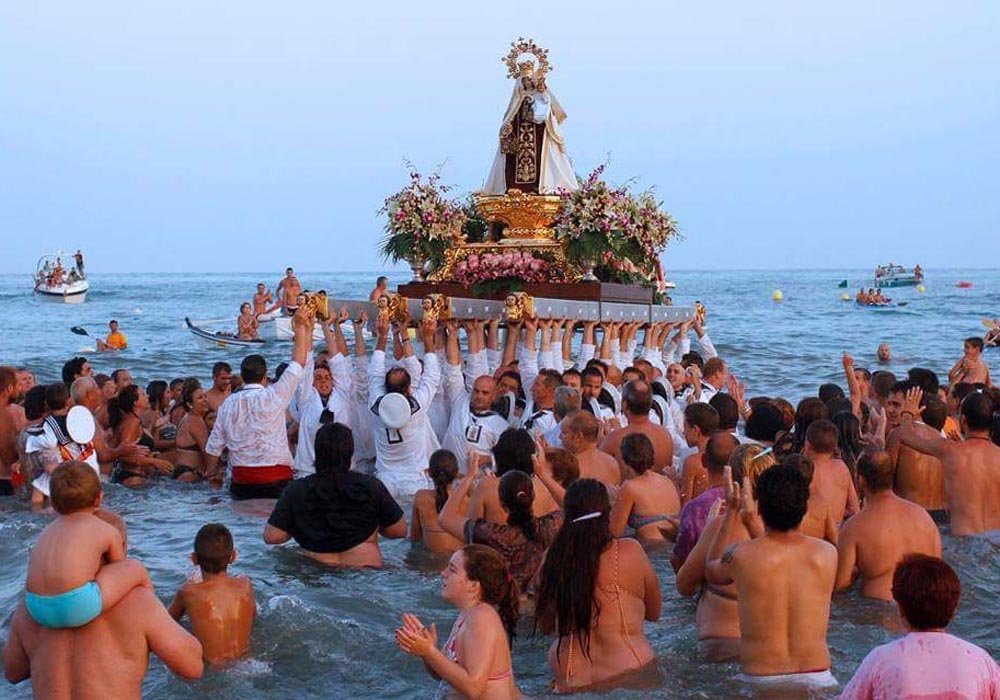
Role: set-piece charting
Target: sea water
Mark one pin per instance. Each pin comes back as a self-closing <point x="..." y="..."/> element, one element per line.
<point x="329" y="634"/>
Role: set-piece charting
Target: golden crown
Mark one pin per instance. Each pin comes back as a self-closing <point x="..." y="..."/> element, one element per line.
<point x="526" y="46"/>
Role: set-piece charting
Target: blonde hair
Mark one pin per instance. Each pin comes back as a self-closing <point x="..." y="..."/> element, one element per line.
<point x="752" y="460"/>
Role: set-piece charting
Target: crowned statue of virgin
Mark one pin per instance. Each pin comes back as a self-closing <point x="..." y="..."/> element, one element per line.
<point x="531" y="156"/>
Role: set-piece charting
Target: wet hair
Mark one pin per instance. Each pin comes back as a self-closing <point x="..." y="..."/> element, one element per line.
<point x="56" y="396"/>
<point x="122" y="404"/>
<point x="975" y="342"/>
<point x="568" y="579"/>
<point x="877" y="469"/>
<point x="72" y="369"/>
<point x="977" y="410"/>
<point x="253" y="369"/>
<point x="828" y="392"/>
<point x="803" y="464"/>
<point x="925" y="379"/>
<point x="935" y="412"/>
<point x="567" y="400"/>
<point x="397" y="381"/>
<point x="190" y="388"/>
<point x="213" y="546"/>
<point x="156" y="390"/>
<point x="34" y="402"/>
<point x="728" y="410"/>
<point x="702" y="416"/>
<point x="848" y="439"/>
<point x="74" y="486"/>
<point x="220" y="367"/>
<point x="927" y="591"/>
<point x="718" y="451"/>
<point x="565" y="465"/>
<point x="637" y="452"/>
<point x="485" y="566"/>
<point x="882" y="382"/>
<point x="334" y="449"/>
<point x="782" y="497"/>
<point x="750" y="461"/>
<point x="764" y="423"/>
<point x="514" y="450"/>
<point x="442" y="468"/>
<point x="637" y="397"/>
<point x="822" y="436"/>
<point x="517" y="494"/>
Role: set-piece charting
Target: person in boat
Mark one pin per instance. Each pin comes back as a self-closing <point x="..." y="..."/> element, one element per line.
<point x="861" y="297"/>
<point x="289" y="290"/>
<point x="78" y="258"/>
<point x="476" y="659"/>
<point x="918" y="272"/>
<point x="246" y="324"/>
<point x="594" y="595"/>
<point x="116" y="340"/>
<point x="992" y="337"/>
<point x="264" y="306"/>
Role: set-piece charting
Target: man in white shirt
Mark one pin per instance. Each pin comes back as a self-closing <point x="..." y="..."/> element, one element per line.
<point x="324" y="396"/>
<point x="473" y="424"/>
<point x="251" y="423"/>
<point x="404" y="440"/>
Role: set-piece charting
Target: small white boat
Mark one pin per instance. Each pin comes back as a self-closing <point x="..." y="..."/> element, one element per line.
<point x="54" y="282"/>
<point x="221" y="339"/>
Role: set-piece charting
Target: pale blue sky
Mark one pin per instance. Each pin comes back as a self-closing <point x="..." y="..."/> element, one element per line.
<point x="252" y="135"/>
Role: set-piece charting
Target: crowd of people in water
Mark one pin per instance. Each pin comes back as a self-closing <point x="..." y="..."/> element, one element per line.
<point x="551" y="472"/>
<point x="873" y="297"/>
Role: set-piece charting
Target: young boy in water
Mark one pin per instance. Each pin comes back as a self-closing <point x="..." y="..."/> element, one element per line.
<point x="221" y="607"/>
<point x="971" y="368"/>
<point x="77" y="568"/>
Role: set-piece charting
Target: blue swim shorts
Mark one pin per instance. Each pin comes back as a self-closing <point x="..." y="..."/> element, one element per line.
<point x="73" y="608"/>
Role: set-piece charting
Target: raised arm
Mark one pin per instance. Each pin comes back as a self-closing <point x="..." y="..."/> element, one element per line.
<point x="852" y="385"/>
<point x="450" y="518"/>
<point x="937" y="446"/>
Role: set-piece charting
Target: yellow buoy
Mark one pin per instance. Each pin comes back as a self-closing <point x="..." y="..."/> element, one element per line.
<point x="777" y="295"/>
<point x="921" y="288"/>
<point x="845" y="297"/>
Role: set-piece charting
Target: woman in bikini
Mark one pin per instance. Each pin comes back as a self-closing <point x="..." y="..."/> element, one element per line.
<point x="475" y="661"/>
<point x="192" y="434"/>
<point x="717" y="617"/>
<point x="246" y="324"/>
<point x="124" y="411"/>
<point x="442" y="471"/>
<point x="594" y="595"/>
<point x="648" y="503"/>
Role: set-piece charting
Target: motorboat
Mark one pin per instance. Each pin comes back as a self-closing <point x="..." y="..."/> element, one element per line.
<point x="898" y="276"/>
<point x="54" y="282"/>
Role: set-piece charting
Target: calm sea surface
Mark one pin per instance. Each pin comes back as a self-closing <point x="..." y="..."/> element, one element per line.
<point x="329" y="634"/>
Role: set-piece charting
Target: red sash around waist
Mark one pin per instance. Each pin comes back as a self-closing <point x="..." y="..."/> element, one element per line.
<point x="261" y="475"/>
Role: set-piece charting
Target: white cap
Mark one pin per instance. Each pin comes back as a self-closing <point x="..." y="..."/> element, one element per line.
<point x="80" y="425"/>
<point x="394" y="410"/>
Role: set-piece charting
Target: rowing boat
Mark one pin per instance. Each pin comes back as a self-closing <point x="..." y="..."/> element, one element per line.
<point x="222" y="339"/>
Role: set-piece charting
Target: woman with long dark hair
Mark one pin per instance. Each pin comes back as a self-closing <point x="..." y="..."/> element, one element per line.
<point x="336" y="514"/>
<point x="192" y="434"/>
<point x="476" y="660"/>
<point x="124" y="411"/>
<point x="513" y="452"/>
<point x="521" y="540"/>
<point x="427" y="504"/>
<point x="595" y="592"/>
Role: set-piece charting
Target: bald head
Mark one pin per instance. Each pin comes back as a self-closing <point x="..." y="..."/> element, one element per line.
<point x="876" y="469"/>
<point x="637" y="398"/>
<point x="484" y="391"/>
<point x="583" y="424"/>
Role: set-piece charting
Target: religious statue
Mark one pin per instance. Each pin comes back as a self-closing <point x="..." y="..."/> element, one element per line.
<point x="531" y="156"/>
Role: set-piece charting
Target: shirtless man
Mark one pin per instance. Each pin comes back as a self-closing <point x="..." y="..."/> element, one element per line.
<point x="784" y="581"/>
<point x="381" y="287"/>
<point x="919" y="477"/>
<point x="886" y="530"/>
<point x="971" y="368"/>
<point x="288" y="290"/>
<point x="580" y="433"/>
<point x="107" y="658"/>
<point x="637" y="401"/>
<point x="831" y="477"/>
<point x="222" y="377"/>
<point x="8" y="430"/>
<point x="263" y="302"/>
<point x="971" y="466"/>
